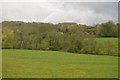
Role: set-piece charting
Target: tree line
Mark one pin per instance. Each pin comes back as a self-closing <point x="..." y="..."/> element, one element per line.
<point x="69" y="37"/>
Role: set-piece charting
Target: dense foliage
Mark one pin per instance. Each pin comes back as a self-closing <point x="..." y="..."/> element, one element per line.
<point x="107" y="30"/>
<point x="70" y="37"/>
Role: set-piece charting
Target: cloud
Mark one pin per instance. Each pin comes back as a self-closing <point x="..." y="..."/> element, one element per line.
<point x="59" y="0"/>
<point x="55" y="12"/>
<point x="0" y="11"/>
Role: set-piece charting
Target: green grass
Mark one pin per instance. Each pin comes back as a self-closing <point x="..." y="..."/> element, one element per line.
<point x="113" y="40"/>
<point x="107" y="44"/>
<point x="55" y="64"/>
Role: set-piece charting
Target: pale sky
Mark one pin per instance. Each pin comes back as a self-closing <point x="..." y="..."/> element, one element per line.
<point x="57" y="11"/>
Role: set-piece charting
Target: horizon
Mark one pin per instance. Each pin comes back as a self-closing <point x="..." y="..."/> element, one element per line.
<point x="59" y="23"/>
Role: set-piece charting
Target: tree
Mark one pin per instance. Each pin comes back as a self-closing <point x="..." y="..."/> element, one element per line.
<point x="8" y="39"/>
<point x="108" y="29"/>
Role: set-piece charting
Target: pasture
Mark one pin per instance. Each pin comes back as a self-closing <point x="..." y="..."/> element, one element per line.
<point x="56" y="64"/>
<point x="113" y="41"/>
<point x="107" y="45"/>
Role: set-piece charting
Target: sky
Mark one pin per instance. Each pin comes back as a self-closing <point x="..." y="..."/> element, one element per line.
<point x="58" y="11"/>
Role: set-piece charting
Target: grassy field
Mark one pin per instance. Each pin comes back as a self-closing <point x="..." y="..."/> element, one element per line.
<point x="55" y="64"/>
<point x="107" y="45"/>
<point x="114" y="41"/>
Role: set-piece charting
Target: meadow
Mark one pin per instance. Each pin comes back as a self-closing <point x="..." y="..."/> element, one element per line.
<point x="114" y="41"/>
<point x="107" y="45"/>
<point x="63" y="50"/>
<point x="56" y="64"/>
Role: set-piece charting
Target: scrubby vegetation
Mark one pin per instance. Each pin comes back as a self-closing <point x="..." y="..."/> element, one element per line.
<point x="69" y="37"/>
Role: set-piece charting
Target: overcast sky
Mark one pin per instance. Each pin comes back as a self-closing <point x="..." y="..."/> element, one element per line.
<point x="56" y="12"/>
